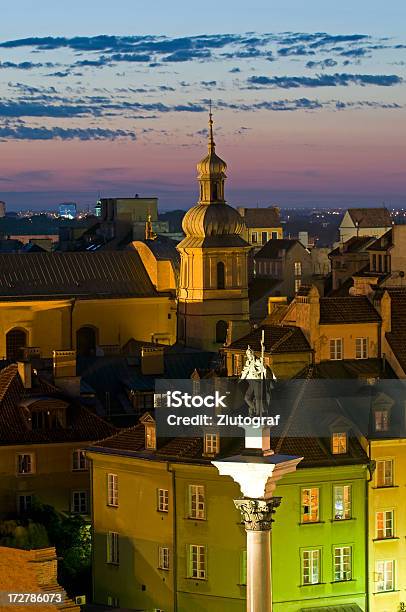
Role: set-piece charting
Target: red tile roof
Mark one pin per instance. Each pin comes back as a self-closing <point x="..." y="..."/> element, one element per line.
<point x="278" y="339"/>
<point x="371" y="217"/>
<point x="397" y="336"/>
<point x="351" y="309"/>
<point x="260" y="217"/>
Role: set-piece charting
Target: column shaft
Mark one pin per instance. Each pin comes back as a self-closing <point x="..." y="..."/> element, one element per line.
<point x="259" y="596"/>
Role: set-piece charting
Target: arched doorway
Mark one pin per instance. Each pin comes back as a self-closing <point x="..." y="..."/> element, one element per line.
<point x="221" y="331"/>
<point x="16" y="341"/>
<point x="86" y="341"/>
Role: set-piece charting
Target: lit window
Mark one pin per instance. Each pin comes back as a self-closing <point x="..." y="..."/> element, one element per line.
<point x="298" y="268"/>
<point x="243" y="567"/>
<point x="112" y="490"/>
<point x="342" y="502"/>
<point x="342" y="563"/>
<point x="197" y="505"/>
<point x="163" y="500"/>
<point x="298" y="283"/>
<point x="384" y="473"/>
<point x="384" y="576"/>
<point x="384" y="524"/>
<point x="310" y="505"/>
<point x="336" y="349"/>
<point x="310" y="566"/>
<point x="237" y="364"/>
<point x="79" y="461"/>
<point x="361" y="348"/>
<point x="26" y="463"/>
<point x="80" y="502"/>
<point x="24" y="503"/>
<point x="381" y="418"/>
<point x="197" y="562"/>
<point x="254" y="237"/>
<point x="113" y="555"/>
<point x="163" y="557"/>
<point x="339" y="443"/>
<point x="264" y="237"/>
<point x="150" y="437"/>
<point x="211" y="444"/>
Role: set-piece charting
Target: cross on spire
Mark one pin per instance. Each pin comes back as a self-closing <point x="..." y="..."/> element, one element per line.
<point x="211" y="138"/>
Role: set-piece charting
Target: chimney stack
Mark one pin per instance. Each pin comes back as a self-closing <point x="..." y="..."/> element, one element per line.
<point x="25" y="372"/>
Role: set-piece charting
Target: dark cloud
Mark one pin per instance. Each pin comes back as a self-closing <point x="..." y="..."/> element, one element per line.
<point x="295" y="50"/>
<point x="233" y="70"/>
<point x="322" y="64"/>
<point x="26" y="65"/>
<point x="326" y="80"/>
<point x="23" y="132"/>
<point x="10" y="108"/>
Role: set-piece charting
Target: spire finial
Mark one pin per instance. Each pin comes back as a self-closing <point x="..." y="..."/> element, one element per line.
<point x="211" y="139"/>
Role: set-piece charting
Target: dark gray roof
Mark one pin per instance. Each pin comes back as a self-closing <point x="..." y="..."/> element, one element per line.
<point x="80" y="274"/>
<point x="370" y="217"/>
<point x="260" y="217"/>
<point x="272" y="249"/>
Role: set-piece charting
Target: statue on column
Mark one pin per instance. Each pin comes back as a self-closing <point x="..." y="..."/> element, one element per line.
<point x="260" y="382"/>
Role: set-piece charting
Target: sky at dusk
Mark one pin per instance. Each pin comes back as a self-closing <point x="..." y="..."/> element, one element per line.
<point x="309" y="101"/>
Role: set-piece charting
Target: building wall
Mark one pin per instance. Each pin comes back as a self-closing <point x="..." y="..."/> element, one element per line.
<point x="271" y="233"/>
<point x="53" y="480"/>
<point x="348" y="333"/>
<point x="137" y="582"/>
<point x="348" y="229"/>
<point x="48" y="323"/>
<point x="388" y="498"/>
<point x="284" y="268"/>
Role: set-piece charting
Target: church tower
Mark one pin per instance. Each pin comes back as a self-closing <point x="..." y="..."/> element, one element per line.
<point x="213" y="287"/>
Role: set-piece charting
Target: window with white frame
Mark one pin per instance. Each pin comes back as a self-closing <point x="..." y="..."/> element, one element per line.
<point x="112" y="490"/>
<point x="381" y="419"/>
<point x="384" y="524"/>
<point x="80" y="503"/>
<point x="197" y="562"/>
<point x="336" y="349"/>
<point x="254" y="237"/>
<point x="197" y="504"/>
<point x="24" y="503"/>
<point x="211" y="443"/>
<point x="163" y="557"/>
<point x="361" y="348"/>
<point x="342" y="563"/>
<point x="274" y="235"/>
<point x="298" y="284"/>
<point x="243" y="567"/>
<point x="311" y="566"/>
<point x="298" y="268"/>
<point x="310" y="505"/>
<point x="113" y="547"/>
<point x="163" y="500"/>
<point x="339" y="443"/>
<point x="79" y="461"/>
<point x="26" y="463"/>
<point x="342" y="502"/>
<point x="384" y="473"/>
<point x="385" y="575"/>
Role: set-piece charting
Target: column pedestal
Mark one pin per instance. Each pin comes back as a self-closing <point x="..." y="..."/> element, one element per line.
<point x="257" y="517"/>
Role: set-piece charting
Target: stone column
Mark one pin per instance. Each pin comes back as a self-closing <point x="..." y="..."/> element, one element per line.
<point x="257" y="517"/>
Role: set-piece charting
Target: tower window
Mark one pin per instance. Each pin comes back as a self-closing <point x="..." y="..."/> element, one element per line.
<point x="215" y="192"/>
<point x="221" y="275"/>
<point x="16" y="340"/>
<point x="221" y="331"/>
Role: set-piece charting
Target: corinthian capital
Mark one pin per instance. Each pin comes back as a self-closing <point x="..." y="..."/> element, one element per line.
<point x="257" y="513"/>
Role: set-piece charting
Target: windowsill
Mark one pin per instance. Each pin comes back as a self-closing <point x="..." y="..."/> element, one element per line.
<point x="348" y="520"/>
<point x="386" y="592"/>
<point x="342" y="581"/>
<point x="112" y="505"/>
<point x="198" y="579"/>
<point x="386" y="487"/>
<point x="164" y="569"/>
<point x="113" y="563"/>
<point x="312" y="523"/>
<point x="312" y="585"/>
<point x="26" y="474"/>
<point x="391" y="539"/>
<point x="80" y="470"/>
<point x="162" y="511"/>
<point x="193" y="518"/>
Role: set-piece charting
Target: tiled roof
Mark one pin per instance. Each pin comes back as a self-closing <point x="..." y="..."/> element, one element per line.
<point x="272" y="249"/>
<point x="370" y="217"/>
<point x="81" y="274"/>
<point x="397" y="336"/>
<point x="260" y="217"/>
<point x="82" y="425"/>
<point x="353" y="245"/>
<point x="383" y="243"/>
<point x="278" y="339"/>
<point x="352" y="309"/>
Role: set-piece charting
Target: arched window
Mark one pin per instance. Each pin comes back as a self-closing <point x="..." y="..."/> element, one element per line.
<point x="221" y="275"/>
<point x="16" y="340"/>
<point x="86" y="341"/>
<point x="221" y="331"/>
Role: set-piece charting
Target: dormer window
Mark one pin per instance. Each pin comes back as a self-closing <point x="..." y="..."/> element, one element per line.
<point x="339" y="443"/>
<point x="45" y="414"/>
<point x="211" y="443"/>
<point x="150" y="437"/>
<point x="381" y="419"/>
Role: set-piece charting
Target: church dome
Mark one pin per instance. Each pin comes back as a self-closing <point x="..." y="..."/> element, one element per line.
<point x="204" y="220"/>
<point x="212" y="164"/>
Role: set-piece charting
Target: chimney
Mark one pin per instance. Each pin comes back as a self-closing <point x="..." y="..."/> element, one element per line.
<point x="152" y="360"/>
<point x="64" y="363"/>
<point x="274" y="301"/>
<point x="31" y="352"/>
<point x="25" y="372"/>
